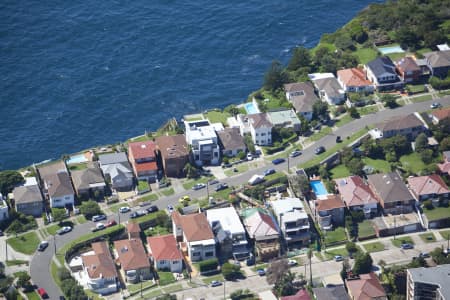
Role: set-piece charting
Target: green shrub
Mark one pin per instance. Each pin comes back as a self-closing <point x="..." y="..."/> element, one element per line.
<point x="208" y="265"/>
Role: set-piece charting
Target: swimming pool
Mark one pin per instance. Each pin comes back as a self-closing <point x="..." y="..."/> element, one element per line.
<point x="318" y="188"/>
<point x="251" y="108"/>
<point x="391" y="49"/>
<point x="76" y="159"/>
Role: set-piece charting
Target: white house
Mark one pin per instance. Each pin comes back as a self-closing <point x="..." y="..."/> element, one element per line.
<point x="165" y="253"/>
<point x="57" y="185"/>
<point x="202" y="137"/>
<point x="260" y="129"/>
<point x="328" y="88"/>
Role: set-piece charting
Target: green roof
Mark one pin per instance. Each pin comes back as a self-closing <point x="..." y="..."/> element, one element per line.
<point x="283" y="117"/>
<point x="248" y="212"/>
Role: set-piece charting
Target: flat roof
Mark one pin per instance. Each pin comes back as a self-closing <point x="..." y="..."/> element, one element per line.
<point x="287" y="204"/>
<point x="228" y="218"/>
<point x="439" y="275"/>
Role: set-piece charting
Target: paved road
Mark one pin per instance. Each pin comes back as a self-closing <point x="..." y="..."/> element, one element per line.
<point x="40" y="263"/>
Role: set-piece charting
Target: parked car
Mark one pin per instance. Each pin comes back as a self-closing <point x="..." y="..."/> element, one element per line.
<point x="198" y="186"/>
<point x="424" y="254"/>
<point x="338" y="139"/>
<point x="319" y="150"/>
<point x="124" y="209"/>
<point x="292" y="262"/>
<point x="111" y="223"/>
<point x="63" y="230"/>
<point x="43" y="293"/>
<point x="249" y="156"/>
<point x="435" y="105"/>
<point x="213" y="181"/>
<point x="42" y="246"/>
<point x="295" y="153"/>
<point x="152" y="209"/>
<point x="143" y="204"/>
<point x="184" y="198"/>
<point x="138" y="214"/>
<point x="221" y="186"/>
<point x="170" y="208"/>
<point x="97" y="218"/>
<point x="98" y="226"/>
<point x="226" y="165"/>
<point x="261" y="272"/>
<point x="338" y="258"/>
<point x="269" y="171"/>
<point x="215" y="283"/>
<point x="407" y="246"/>
<point x="278" y="161"/>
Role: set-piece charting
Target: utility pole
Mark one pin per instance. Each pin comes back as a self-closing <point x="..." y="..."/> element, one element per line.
<point x="118" y="214"/>
<point x="207" y="190"/>
<point x="6" y="251"/>
<point x="395" y="227"/>
<point x="224" y="298"/>
<point x="54" y="243"/>
<point x="288" y="163"/>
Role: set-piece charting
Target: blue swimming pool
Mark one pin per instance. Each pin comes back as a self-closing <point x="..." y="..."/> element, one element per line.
<point x="391" y="49"/>
<point x="251" y="108"/>
<point x="318" y="188"/>
<point x="76" y="159"/>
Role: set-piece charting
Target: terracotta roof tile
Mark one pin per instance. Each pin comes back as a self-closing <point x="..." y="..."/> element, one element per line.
<point x="441" y="114"/>
<point x="141" y="150"/>
<point x="132" y="255"/>
<point x="354" y="191"/>
<point x="101" y="263"/>
<point x="426" y="185"/>
<point x="367" y="287"/>
<point x="164" y="247"/>
<point x="331" y="202"/>
<point x="194" y="226"/>
<point x="147" y="166"/>
<point x="353" y="77"/>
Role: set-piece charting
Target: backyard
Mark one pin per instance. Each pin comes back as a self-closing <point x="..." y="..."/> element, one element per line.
<point x="335" y="236"/>
<point x="217" y="116"/>
<point x="339" y="171"/>
<point x="26" y="243"/>
<point x="378" y="164"/>
<point x="437" y="213"/>
<point x="365" y="229"/>
<point x="374" y="247"/>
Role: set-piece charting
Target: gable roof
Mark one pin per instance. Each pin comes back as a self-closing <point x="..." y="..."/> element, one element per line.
<point x="172" y="146"/>
<point x="112" y="158"/>
<point x="259" y="120"/>
<point x="438" y="59"/>
<point x="119" y="170"/>
<point x="389" y="187"/>
<point x="99" y="264"/>
<point x="331" y="293"/>
<point x="329" y="203"/>
<point x="367" y="287"/>
<point x="259" y="223"/>
<point x="141" y="150"/>
<point x="382" y="65"/>
<point x="426" y="185"/>
<point x="330" y="85"/>
<point x="354" y="191"/>
<point x="353" y="77"/>
<point x="195" y="226"/>
<point x="401" y="122"/>
<point x="305" y="97"/>
<point x="27" y="194"/>
<point x="441" y="114"/>
<point x="164" y="247"/>
<point x="407" y="64"/>
<point x="83" y="179"/>
<point x="131" y="254"/>
<point x="231" y="138"/>
<point x="59" y="185"/>
<point x="301" y="295"/>
<point x="51" y="168"/>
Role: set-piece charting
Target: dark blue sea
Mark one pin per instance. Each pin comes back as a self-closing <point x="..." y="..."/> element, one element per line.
<point x="76" y="74"/>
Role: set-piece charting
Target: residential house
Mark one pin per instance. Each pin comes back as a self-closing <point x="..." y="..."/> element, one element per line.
<point x="229" y="232"/>
<point x="165" y="253"/>
<point x="409" y="126"/>
<point x="438" y="62"/>
<point x="428" y="283"/>
<point x="202" y="138"/>
<point x="143" y="159"/>
<point x="444" y="167"/>
<point x="439" y="115"/>
<point x="57" y="186"/>
<point x="300" y="295"/>
<point x="408" y="69"/>
<point x="423" y="66"/>
<point x="302" y="97"/>
<point x="133" y="230"/>
<point x="28" y="200"/>
<point x="428" y="187"/>
<point x="357" y="195"/>
<point x="293" y="221"/>
<point x="195" y="236"/>
<point x="337" y="292"/>
<point x="174" y="153"/>
<point x="329" y="211"/>
<point x="392" y="192"/>
<point x="354" y="80"/>
<point x="260" y="129"/>
<point x="133" y="260"/>
<point x="381" y="72"/>
<point x="89" y="182"/>
<point x="367" y="287"/>
<point x="284" y="118"/>
<point x="263" y="230"/>
<point x="231" y="142"/>
<point x="117" y="170"/>
<point x="328" y="88"/>
<point x="100" y="270"/>
<point x="4" y="213"/>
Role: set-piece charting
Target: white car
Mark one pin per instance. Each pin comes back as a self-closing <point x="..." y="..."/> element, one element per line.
<point x="292" y="263"/>
<point x="124" y="209"/>
<point x="64" y="230"/>
<point x="249" y="156"/>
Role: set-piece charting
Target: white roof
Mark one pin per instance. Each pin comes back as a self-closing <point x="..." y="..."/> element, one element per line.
<point x="267" y="295"/>
<point x="30" y="181"/>
<point x="315" y="76"/>
<point x="218" y="126"/>
<point x="443" y="47"/>
<point x="286" y="204"/>
<point x="228" y="218"/>
<point x="201" y="133"/>
<point x="293" y="216"/>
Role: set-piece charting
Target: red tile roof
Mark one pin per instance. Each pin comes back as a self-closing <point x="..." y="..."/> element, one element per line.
<point x="133" y="227"/>
<point x="331" y="202"/>
<point x="141" y="150"/>
<point x="301" y="295"/>
<point x="441" y="113"/>
<point x="195" y="226"/>
<point x="147" y="166"/>
<point x="164" y="247"/>
<point x="132" y="255"/>
<point x="407" y="64"/>
<point x="353" y="77"/>
<point x="354" y="191"/>
<point x="367" y="287"/>
<point x="444" y="167"/>
<point x="426" y="185"/>
<point x="101" y="263"/>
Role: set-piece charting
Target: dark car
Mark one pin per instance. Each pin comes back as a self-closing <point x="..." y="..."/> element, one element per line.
<point x="407" y="246"/>
<point x="226" y="165"/>
<point x="213" y="181"/>
<point x="338" y="139"/>
<point x="319" y="150"/>
<point x="152" y="208"/>
<point x="278" y="161"/>
<point x="221" y="186"/>
<point x="261" y="272"/>
<point x="134" y="215"/>
<point x="269" y="172"/>
<point x="295" y="153"/>
<point x="42" y="246"/>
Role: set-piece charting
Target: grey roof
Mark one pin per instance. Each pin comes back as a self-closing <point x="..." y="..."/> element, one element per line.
<point x="113" y="158"/>
<point x="331" y="293"/>
<point x="382" y="65"/>
<point x="438" y="59"/>
<point x="330" y="85"/>
<point x="260" y="120"/>
<point x="231" y="138"/>
<point x="439" y="275"/>
<point x="59" y="185"/>
<point x="390" y="187"/>
<point x="82" y="179"/>
<point x="27" y="194"/>
<point x="304" y="100"/>
<point x="119" y="170"/>
<point x="401" y="122"/>
<point x="191" y="209"/>
<point x="446" y="155"/>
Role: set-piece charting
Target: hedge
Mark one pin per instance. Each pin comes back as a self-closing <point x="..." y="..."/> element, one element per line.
<point x="208" y="265"/>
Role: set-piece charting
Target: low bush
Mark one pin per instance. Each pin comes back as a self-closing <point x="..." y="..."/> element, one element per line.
<point x="208" y="265"/>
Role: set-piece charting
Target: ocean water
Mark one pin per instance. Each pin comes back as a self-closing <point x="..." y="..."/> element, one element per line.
<point x="76" y="74"/>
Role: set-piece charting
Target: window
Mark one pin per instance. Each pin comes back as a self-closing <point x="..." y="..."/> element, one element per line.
<point x="257" y="134"/>
<point x="263" y="134"/>
<point x="196" y="254"/>
<point x="174" y="262"/>
<point x="209" y="253"/>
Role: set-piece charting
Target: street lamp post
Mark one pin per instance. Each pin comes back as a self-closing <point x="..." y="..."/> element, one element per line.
<point x="140" y="279"/>
<point x="224" y="298"/>
<point x="118" y="214"/>
<point x="54" y="243"/>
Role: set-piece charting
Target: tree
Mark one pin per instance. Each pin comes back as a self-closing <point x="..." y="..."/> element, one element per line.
<point x="249" y="143"/>
<point x="300" y="58"/>
<point x="444" y="145"/>
<point x="190" y="171"/>
<point x="232" y="110"/>
<point x="363" y="264"/>
<point x="241" y="155"/>
<point x="274" y="77"/>
<point x="304" y="124"/>
<point x="90" y="208"/>
<point x="353" y="112"/>
<point x="389" y="100"/>
<point x="231" y="271"/>
<point x="320" y="109"/>
<point x="310" y="254"/>
<point x="421" y="142"/>
<point x="285" y="286"/>
<point x="355" y="166"/>
<point x="58" y="214"/>
<point x="276" y="270"/>
<point x="23" y="279"/>
<point x="351" y="247"/>
<point x="8" y="180"/>
<point x="426" y="156"/>
<point x="15" y="227"/>
<point x="299" y="183"/>
<point x="323" y="171"/>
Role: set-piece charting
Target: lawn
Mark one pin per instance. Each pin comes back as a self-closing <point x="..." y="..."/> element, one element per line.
<point x="81" y="219"/>
<point x="344" y="120"/>
<point x="241" y="168"/>
<point x="133" y="288"/>
<point x="417" y="88"/>
<point x="330" y="254"/>
<point x="16" y="262"/>
<point x="195" y="117"/>
<point x="374" y="247"/>
<point x="172" y="289"/>
<point x="143" y="186"/>
<point x="339" y="172"/>
<point x="259" y="266"/>
<point x="190" y="183"/>
<point x="402" y="240"/>
<point x="165" y="278"/>
<point x="367" y="110"/>
<point x="26" y="243"/>
<point x="421" y="98"/>
<point x="168" y="191"/>
<point x="366" y="54"/>
<point x="78" y="167"/>
<point x="378" y="164"/>
<point x="33" y="295"/>
<point x="437" y="213"/>
<point x="223" y="194"/>
<point x="215" y="116"/>
<point x="412" y="162"/>
<point x="115" y="207"/>
<point x="208" y="279"/>
<point x="325" y="130"/>
<point x="365" y="229"/>
<point x="396" y="56"/>
<point x="428" y="237"/>
<point x="150" y="197"/>
<point x="52" y="229"/>
<point x="335" y="236"/>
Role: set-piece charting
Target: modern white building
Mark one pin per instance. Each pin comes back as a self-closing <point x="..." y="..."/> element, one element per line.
<point x="202" y="137"/>
<point x="293" y="220"/>
<point x="260" y="129"/>
<point x="428" y="283"/>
